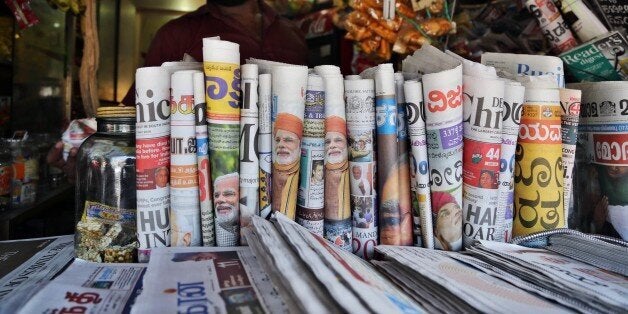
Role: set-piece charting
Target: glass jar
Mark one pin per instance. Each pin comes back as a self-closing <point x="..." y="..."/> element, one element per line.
<point x="105" y="189"/>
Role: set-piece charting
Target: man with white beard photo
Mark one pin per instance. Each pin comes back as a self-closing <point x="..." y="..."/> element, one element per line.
<point x="227" y="212"/>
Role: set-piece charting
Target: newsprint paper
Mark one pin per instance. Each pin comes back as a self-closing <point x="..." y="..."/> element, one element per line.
<point x="207" y="280"/>
<point x="87" y="287"/>
<point x="27" y="265"/>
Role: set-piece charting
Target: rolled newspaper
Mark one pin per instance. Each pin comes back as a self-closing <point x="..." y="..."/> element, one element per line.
<point x="538" y="174"/>
<point x="552" y="24"/>
<point x="202" y="162"/>
<point x="288" y="93"/>
<point x="249" y="164"/>
<point x="337" y="227"/>
<point x="511" y="65"/>
<point x="310" y="202"/>
<point x="570" y="115"/>
<point x="387" y="152"/>
<point x="360" y="113"/>
<point x="405" y="197"/>
<point x="602" y="164"/>
<point x="152" y="134"/>
<point x="264" y="146"/>
<point x="419" y="167"/>
<point x="511" y="117"/>
<point x="221" y="64"/>
<point x="482" y="106"/>
<point x="442" y="89"/>
<point x="185" y="212"/>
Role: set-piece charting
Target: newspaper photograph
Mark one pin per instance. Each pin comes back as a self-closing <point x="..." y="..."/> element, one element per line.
<point x="387" y="155"/>
<point x="264" y="146"/>
<point x="28" y="265"/>
<point x="482" y="129"/>
<point x="86" y="287"/>
<point x="602" y="159"/>
<point x="419" y="167"/>
<point x="337" y="227"/>
<point x="511" y="65"/>
<point x="511" y="118"/>
<point x="221" y="65"/>
<point x="249" y="164"/>
<point x="360" y="113"/>
<point x="442" y="89"/>
<point x="185" y="212"/>
<point x="289" y="84"/>
<point x="552" y="24"/>
<point x="209" y="280"/>
<point x="538" y="174"/>
<point x="152" y="158"/>
<point x="202" y="162"/>
<point x="310" y="201"/>
<point x="405" y="195"/>
<point x="569" y="119"/>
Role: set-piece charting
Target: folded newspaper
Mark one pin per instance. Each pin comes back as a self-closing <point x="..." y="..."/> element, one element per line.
<point x="87" y="287"/>
<point x="207" y="280"/>
<point x="28" y="265"/>
<point x="287" y="269"/>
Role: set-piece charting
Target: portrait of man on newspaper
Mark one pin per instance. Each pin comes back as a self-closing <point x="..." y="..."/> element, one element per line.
<point x="226" y="190"/>
<point x="448" y="222"/>
<point x="286" y="157"/>
<point x="194" y="256"/>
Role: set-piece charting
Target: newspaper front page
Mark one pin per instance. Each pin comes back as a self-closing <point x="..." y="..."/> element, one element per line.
<point x="210" y="280"/>
<point x="87" y="287"/>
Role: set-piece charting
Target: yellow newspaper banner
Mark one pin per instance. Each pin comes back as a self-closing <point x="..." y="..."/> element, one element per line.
<point x="538" y="175"/>
<point x="222" y="91"/>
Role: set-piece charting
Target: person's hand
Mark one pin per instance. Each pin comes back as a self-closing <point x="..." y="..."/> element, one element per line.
<point x="55" y="159"/>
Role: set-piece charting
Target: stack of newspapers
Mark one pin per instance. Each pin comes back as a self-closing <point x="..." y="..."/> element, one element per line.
<point x="287" y="269"/>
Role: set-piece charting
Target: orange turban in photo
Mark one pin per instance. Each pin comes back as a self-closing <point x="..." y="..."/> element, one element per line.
<point x="336" y="124"/>
<point x="289" y="122"/>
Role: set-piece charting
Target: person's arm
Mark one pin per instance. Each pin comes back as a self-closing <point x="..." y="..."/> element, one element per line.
<point x="55" y="159"/>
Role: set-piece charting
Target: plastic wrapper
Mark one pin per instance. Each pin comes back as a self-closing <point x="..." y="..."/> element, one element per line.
<point x="77" y="131"/>
<point x="409" y="29"/>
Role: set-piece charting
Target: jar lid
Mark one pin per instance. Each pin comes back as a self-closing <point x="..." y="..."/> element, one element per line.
<point x="116" y="112"/>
